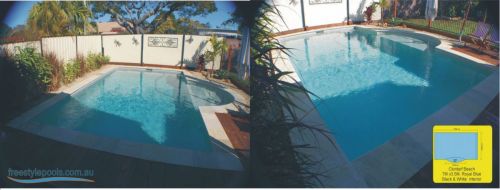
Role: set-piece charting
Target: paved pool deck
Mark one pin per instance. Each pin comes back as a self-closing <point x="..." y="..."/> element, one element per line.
<point x="397" y="160"/>
<point x="221" y="157"/>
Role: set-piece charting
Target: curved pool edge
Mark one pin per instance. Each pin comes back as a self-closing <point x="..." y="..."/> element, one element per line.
<point x="394" y="162"/>
<point x="220" y="158"/>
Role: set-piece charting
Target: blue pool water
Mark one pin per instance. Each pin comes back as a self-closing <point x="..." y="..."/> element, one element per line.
<point x="373" y="86"/>
<point x="154" y="107"/>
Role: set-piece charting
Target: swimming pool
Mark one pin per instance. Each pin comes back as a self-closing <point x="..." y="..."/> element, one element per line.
<point x="144" y="106"/>
<point x="372" y="86"/>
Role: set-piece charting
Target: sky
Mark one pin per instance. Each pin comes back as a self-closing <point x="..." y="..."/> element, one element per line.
<point x="20" y="11"/>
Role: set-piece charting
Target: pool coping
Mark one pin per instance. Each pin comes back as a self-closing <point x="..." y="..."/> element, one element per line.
<point x="222" y="156"/>
<point x="394" y="162"/>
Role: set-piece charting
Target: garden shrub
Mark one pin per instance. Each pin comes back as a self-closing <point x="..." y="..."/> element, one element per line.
<point x="95" y="61"/>
<point x="78" y="67"/>
<point x="35" y="71"/>
<point x="72" y="70"/>
<point x="23" y="77"/>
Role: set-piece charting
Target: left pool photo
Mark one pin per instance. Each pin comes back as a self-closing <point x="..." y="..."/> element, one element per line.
<point x="124" y="94"/>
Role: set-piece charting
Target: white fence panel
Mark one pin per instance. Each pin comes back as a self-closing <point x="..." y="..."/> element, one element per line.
<point x="194" y="47"/>
<point x="63" y="47"/>
<point x="123" y="48"/>
<point x="162" y="49"/>
<point x="89" y="44"/>
<point x="11" y="48"/>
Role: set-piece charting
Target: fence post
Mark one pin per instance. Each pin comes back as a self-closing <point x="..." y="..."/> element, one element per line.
<point x="102" y="46"/>
<point x="303" y="16"/>
<point x="142" y="49"/>
<point x="41" y="46"/>
<point x="182" y="51"/>
<point x="348" y="12"/>
<point x="76" y="41"/>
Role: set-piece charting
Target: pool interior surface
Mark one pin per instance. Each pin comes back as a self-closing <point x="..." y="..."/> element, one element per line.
<point x="153" y="107"/>
<point x="373" y="86"/>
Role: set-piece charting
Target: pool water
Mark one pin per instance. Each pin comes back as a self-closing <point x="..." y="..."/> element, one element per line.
<point x="153" y="107"/>
<point x="373" y="86"/>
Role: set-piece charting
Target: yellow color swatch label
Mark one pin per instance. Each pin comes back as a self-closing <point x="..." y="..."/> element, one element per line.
<point x="462" y="154"/>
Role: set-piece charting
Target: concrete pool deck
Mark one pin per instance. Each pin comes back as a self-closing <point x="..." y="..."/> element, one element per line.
<point x="397" y="160"/>
<point x="221" y="157"/>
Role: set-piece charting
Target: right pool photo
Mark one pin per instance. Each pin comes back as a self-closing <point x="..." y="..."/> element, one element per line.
<point x="355" y="88"/>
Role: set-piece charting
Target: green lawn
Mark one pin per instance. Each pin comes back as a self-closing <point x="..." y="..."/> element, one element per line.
<point x="450" y="26"/>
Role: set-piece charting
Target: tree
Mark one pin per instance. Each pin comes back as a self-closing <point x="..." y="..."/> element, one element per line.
<point x="52" y="18"/>
<point x="79" y="16"/>
<point x="47" y="19"/>
<point x="179" y="26"/>
<point x="147" y="17"/>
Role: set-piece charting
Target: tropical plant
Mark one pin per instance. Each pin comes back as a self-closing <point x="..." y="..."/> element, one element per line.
<point x="79" y="16"/>
<point x="54" y="18"/>
<point x="47" y="19"/>
<point x="218" y="47"/>
<point x="276" y="161"/>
